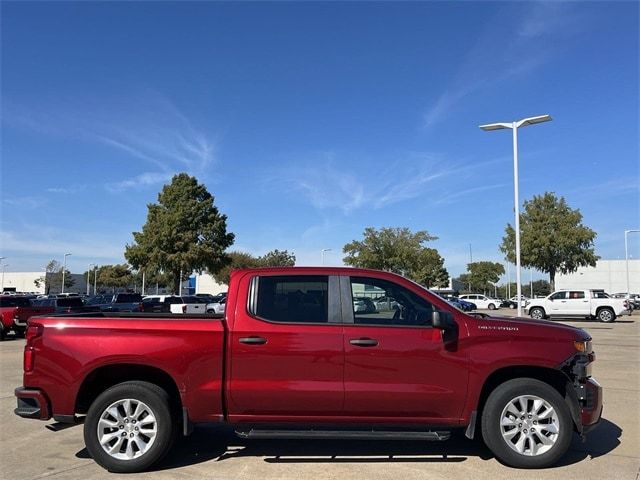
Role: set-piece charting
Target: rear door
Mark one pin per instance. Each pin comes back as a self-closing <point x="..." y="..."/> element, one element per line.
<point x="397" y="368"/>
<point x="286" y="353"/>
<point x="576" y="303"/>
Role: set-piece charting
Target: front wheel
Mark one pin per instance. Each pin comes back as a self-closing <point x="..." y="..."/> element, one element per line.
<point x="129" y="427"/>
<point x="492" y="306"/>
<point x="527" y="424"/>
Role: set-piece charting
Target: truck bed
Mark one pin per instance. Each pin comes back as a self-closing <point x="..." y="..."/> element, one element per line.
<point x="76" y="350"/>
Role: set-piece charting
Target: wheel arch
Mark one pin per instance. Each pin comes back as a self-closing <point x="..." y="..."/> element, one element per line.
<point x="551" y="376"/>
<point x="104" y="377"/>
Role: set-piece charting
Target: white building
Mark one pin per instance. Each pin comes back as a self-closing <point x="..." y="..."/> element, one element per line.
<point x="25" y="282"/>
<point x="609" y="275"/>
<point x="204" y="283"/>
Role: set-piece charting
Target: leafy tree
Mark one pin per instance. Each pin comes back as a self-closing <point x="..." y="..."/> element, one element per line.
<point x="52" y="279"/>
<point x="429" y="270"/>
<point x="482" y="276"/>
<point x="184" y="232"/>
<point x="277" y="258"/>
<point x="237" y="260"/>
<point x="274" y="258"/>
<point x="115" y="276"/>
<point x="540" y="288"/>
<point x="552" y="237"/>
<point x="398" y="250"/>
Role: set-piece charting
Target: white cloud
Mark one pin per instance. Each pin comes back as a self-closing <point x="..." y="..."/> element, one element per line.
<point x="28" y="202"/>
<point x="143" y="180"/>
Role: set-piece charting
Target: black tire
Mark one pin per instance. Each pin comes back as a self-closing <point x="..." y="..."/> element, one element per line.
<point x="513" y="306"/>
<point x="491" y="423"/>
<point x="19" y="332"/>
<point x="606" y="315"/>
<point x="3" y="332"/>
<point x="537" y="313"/>
<point x="157" y="400"/>
<point x="492" y="306"/>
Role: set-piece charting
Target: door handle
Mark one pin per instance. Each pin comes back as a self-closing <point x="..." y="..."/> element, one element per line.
<point x="363" y="342"/>
<point x="253" y="340"/>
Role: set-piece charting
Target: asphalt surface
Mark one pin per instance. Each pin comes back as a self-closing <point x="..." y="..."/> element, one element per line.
<point x="612" y="451"/>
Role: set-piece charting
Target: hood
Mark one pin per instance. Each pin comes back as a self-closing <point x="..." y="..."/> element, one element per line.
<point x="555" y="329"/>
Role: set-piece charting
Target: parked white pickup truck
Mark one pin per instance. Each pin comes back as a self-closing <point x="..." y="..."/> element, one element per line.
<point x="578" y="303"/>
<point x="185" y="304"/>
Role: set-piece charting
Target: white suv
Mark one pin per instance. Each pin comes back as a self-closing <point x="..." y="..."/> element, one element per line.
<point x="481" y="301"/>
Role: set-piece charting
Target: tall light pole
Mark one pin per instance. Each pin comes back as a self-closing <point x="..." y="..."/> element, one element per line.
<point x="323" y="252"/>
<point x="89" y="276"/>
<point x="514" y="127"/>
<point x="626" y="257"/>
<point x="64" y="270"/>
<point x="95" y="278"/>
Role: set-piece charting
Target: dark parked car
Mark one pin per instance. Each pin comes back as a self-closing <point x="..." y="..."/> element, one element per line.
<point x="71" y="304"/>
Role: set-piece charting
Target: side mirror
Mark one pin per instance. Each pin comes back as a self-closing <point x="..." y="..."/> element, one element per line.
<point x="551" y="299"/>
<point x="444" y="321"/>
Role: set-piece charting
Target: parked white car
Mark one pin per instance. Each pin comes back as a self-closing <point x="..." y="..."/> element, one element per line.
<point x="185" y="304"/>
<point x="524" y="301"/>
<point x="579" y="303"/>
<point x="481" y="301"/>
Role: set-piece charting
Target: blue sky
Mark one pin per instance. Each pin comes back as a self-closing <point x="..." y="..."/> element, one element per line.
<point x="311" y="121"/>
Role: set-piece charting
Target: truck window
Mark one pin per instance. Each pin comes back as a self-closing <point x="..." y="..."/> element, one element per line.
<point x="559" y="296"/>
<point x="400" y="306"/>
<point x="576" y="295"/>
<point x="293" y="298"/>
<point x="72" y="302"/>
<point x="14" y="301"/>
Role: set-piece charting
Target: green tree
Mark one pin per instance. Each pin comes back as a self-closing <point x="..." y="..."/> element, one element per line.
<point x="552" y="237"/>
<point x="274" y="258"/>
<point x="277" y="258"/>
<point x="482" y="276"/>
<point x="429" y="269"/>
<point x="540" y="288"/>
<point x="236" y="260"/>
<point x="115" y="276"/>
<point x="398" y="250"/>
<point x="52" y="279"/>
<point x="184" y="232"/>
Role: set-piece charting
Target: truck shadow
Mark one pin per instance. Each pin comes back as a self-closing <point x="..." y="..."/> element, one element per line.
<point x="219" y="443"/>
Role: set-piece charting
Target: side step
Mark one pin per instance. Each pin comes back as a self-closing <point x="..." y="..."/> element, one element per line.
<point x="344" y="435"/>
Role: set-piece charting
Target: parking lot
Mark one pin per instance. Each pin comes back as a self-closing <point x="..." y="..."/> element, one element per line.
<point x="30" y="451"/>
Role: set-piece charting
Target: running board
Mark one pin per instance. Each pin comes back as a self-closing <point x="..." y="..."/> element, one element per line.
<point x="344" y="435"/>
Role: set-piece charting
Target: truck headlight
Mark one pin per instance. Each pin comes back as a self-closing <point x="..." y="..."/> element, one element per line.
<point x="583" y="346"/>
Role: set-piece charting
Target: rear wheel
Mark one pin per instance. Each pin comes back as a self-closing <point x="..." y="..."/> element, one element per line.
<point x="492" y="306"/>
<point x="606" y="315"/>
<point x="527" y="424"/>
<point x="129" y="427"/>
<point x="537" y="313"/>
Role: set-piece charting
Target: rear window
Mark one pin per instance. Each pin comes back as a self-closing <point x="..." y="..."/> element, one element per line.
<point x="14" y="302"/>
<point x="70" y="302"/>
<point x="293" y="298"/>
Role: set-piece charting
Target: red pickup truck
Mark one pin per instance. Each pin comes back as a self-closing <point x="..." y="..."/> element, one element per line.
<point x="293" y="358"/>
<point x="15" y="311"/>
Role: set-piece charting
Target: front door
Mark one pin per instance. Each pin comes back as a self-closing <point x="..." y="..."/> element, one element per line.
<point x="286" y="350"/>
<point x="396" y="366"/>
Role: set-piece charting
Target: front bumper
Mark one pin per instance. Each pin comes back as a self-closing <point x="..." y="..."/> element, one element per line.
<point x="32" y="403"/>
<point x="591" y="404"/>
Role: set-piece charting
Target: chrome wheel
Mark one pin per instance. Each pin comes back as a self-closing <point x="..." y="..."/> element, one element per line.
<point x="605" y="315"/>
<point x="127" y="429"/>
<point x="529" y="425"/>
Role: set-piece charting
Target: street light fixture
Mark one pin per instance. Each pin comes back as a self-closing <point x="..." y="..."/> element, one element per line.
<point x="64" y="270"/>
<point x="323" y="252"/>
<point x="626" y="256"/>
<point x="89" y="276"/>
<point x="514" y="127"/>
